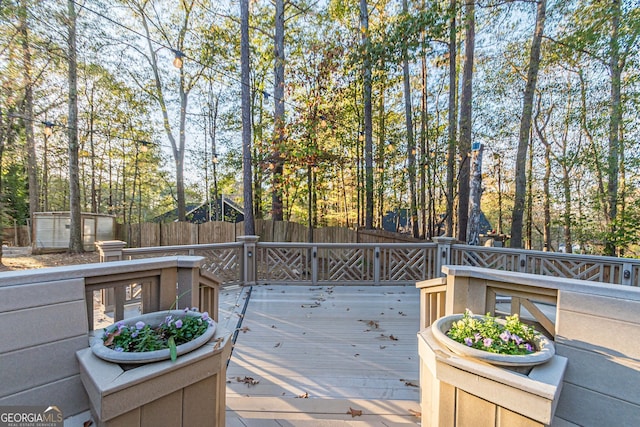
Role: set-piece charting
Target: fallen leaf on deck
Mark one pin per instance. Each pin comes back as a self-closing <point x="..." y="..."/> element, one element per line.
<point x="247" y="380"/>
<point x="218" y="343"/>
<point x="356" y="355"/>
<point x="304" y="395"/>
<point x="409" y="383"/>
<point x="382" y="347"/>
<point x="374" y="324"/>
<point x="354" y="412"/>
<point x="416" y="414"/>
<point x="244" y="329"/>
<point x="391" y="337"/>
<point x="273" y="326"/>
<point x="87" y="423"/>
<point x="277" y="345"/>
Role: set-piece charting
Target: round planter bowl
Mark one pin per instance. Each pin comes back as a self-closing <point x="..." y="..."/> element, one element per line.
<point x="545" y="347"/>
<point x="155" y="318"/>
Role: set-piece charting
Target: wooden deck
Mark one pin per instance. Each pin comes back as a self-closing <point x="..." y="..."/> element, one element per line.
<point x="316" y="356"/>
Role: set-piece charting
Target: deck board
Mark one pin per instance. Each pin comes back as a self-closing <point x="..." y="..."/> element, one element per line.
<point x="337" y="343"/>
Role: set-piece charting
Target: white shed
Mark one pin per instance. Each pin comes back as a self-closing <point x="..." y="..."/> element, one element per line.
<point x="51" y="230"/>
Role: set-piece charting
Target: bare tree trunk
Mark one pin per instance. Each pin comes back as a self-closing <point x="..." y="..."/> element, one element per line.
<point x="525" y="127"/>
<point x="465" y="121"/>
<point x="368" y="127"/>
<point x="546" y="233"/>
<point x="424" y="172"/>
<point x="34" y="194"/>
<point x="381" y="149"/>
<point x="451" y="143"/>
<point x="529" y="221"/>
<point x="278" y="95"/>
<point x="249" y="226"/>
<point x="566" y="187"/>
<point x="92" y="159"/>
<point x="213" y="127"/>
<point x="75" y="230"/>
<point x="475" y="195"/>
<point x="613" y="159"/>
<point x="411" y="144"/>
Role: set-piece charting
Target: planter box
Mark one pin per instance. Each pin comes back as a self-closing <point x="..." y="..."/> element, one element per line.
<point x="187" y="392"/>
<point x="462" y="391"/>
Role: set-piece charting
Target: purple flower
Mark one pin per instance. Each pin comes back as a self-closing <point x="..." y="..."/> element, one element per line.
<point x="487" y="342"/>
<point x="167" y="319"/>
<point x="205" y="316"/>
<point x="134" y="334"/>
<point x="468" y="341"/>
<point x="477" y="337"/>
<point x="505" y="336"/>
<point x="139" y="325"/>
<point x="120" y="325"/>
<point x="517" y="339"/>
<point x="119" y="349"/>
<point x="186" y="309"/>
<point x="528" y="347"/>
<point x="179" y="323"/>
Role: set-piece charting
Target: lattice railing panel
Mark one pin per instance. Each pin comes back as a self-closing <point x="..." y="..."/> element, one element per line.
<point x="407" y="264"/>
<point x="486" y="259"/>
<point x="224" y="263"/>
<point x="575" y="268"/>
<point x="346" y="264"/>
<point x="284" y="264"/>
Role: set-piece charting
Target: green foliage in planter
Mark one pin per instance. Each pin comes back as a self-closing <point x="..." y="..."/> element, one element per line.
<point x="485" y="333"/>
<point x="142" y="337"/>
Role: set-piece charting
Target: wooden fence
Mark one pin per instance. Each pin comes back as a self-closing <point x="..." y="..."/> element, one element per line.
<point x="186" y="233"/>
<point x="16" y="236"/>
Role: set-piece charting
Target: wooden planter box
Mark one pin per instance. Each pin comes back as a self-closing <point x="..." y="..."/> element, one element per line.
<point x="460" y="391"/>
<point x="188" y="392"/>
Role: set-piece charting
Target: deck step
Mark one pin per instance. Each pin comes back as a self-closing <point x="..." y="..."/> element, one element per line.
<point x="292" y="412"/>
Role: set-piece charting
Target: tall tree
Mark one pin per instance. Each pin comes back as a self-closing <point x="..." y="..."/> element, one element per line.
<point x="368" y="125"/>
<point x="249" y="226"/>
<point x="525" y="127"/>
<point x="278" y="117"/>
<point x="616" y="65"/>
<point x="148" y="12"/>
<point x="75" y="230"/>
<point x="28" y="111"/>
<point x="465" y="120"/>
<point x="452" y="109"/>
<point x="411" y="144"/>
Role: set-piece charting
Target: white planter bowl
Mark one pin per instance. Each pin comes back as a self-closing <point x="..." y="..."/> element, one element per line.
<point x="155" y="318"/>
<point x="545" y="347"/>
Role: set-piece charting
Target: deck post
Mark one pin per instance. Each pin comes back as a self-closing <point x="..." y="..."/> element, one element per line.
<point x="188" y="292"/>
<point x="444" y="253"/>
<point x="376" y="266"/>
<point x="314" y="265"/>
<point x="109" y="250"/>
<point x="249" y="259"/>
